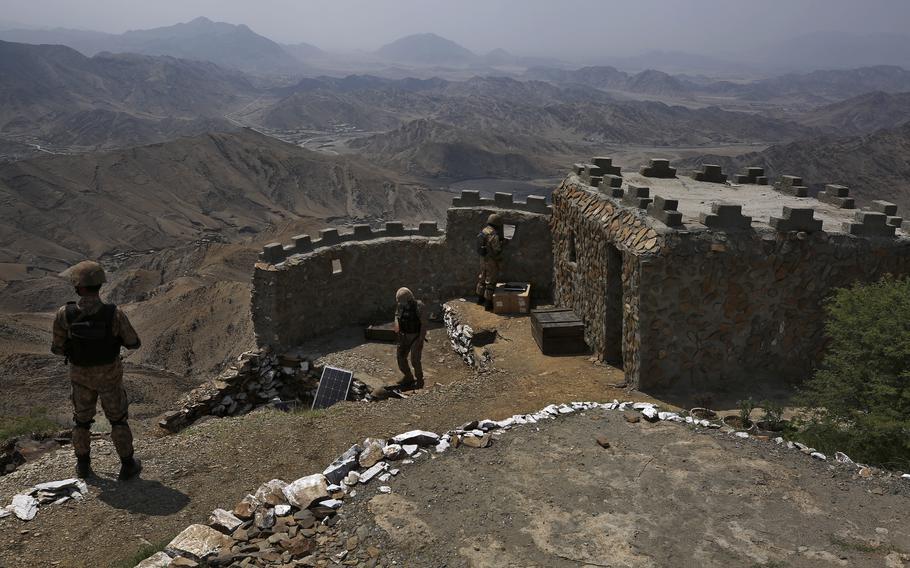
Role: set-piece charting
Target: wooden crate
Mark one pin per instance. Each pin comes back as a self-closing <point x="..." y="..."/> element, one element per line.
<point x="558" y="331"/>
<point x="512" y="298"/>
<point x="381" y="332"/>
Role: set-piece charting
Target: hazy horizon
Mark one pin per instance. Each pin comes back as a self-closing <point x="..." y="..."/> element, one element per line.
<point x="531" y="27"/>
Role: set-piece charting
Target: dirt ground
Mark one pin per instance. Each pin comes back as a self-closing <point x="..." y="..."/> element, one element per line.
<point x="547" y="495"/>
<point x="533" y="499"/>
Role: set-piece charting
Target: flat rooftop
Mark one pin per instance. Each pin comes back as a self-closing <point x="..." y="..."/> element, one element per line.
<point x="761" y="202"/>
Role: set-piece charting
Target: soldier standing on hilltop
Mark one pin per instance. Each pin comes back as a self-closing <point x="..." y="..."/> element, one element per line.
<point x="490" y="243"/>
<point x="411" y="325"/>
<point x="89" y="333"/>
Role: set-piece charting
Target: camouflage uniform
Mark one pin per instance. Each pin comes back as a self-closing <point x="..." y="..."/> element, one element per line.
<point x="489" y="264"/>
<point x="102" y="381"/>
<point x="410" y="344"/>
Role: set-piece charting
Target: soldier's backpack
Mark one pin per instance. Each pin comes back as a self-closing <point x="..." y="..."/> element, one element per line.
<point x="482" y="243"/>
<point x="409" y="318"/>
<point x="90" y="338"/>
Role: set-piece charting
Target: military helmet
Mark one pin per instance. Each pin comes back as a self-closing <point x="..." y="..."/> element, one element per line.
<point x="495" y="219"/>
<point x="403" y="295"/>
<point x="87" y="273"/>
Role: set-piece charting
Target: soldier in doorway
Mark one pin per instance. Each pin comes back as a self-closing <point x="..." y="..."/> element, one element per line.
<point x="89" y="334"/>
<point x="411" y="327"/>
<point x="490" y="243"/>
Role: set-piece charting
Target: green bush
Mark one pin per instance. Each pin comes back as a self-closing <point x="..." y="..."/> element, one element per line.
<point x="859" y="400"/>
<point x="36" y="423"/>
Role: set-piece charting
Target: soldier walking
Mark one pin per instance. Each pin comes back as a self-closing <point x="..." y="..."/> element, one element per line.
<point x="490" y="243"/>
<point x="411" y="326"/>
<point x="89" y="334"/>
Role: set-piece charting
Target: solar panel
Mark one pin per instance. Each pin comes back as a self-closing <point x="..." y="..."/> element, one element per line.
<point x="333" y="387"/>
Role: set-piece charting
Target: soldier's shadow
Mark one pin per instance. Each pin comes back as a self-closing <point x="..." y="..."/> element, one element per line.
<point x="143" y="496"/>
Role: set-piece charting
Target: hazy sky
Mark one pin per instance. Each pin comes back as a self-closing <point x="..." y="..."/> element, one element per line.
<point x="551" y="27"/>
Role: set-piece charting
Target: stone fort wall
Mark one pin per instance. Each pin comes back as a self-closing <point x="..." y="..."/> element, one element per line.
<point x="703" y="309"/>
<point x="311" y="287"/>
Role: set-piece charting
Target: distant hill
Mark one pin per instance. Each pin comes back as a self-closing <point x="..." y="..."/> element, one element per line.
<point x="56" y="94"/>
<point x="427" y="49"/>
<point x="304" y="51"/>
<point x="838" y="50"/>
<point x="863" y="114"/>
<point x="649" y="82"/>
<point x="874" y="166"/>
<point x="831" y="84"/>
<point x="228" y="45"/>
<point x="58" y="209"/>
<point x="428" y="148"/>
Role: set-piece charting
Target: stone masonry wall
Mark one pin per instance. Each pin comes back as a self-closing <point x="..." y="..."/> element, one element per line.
<point x="747" y="308"/>
<point x="302" y="296"/>
<point x="588" y="222"/>
<point x="705" y="309"/>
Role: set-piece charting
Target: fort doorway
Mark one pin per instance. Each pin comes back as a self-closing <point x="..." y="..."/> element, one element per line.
<point x="613" y="305"/>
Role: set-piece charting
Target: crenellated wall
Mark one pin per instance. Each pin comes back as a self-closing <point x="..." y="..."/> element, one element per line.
<point x="715" y="298"/>
<point x="312" y="287"/>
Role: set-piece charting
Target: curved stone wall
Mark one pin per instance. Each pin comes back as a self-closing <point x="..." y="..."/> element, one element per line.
<point x="310" y="288"/>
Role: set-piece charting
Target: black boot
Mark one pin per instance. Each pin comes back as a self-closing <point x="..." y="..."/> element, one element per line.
<point x="129" y="468"/>
<point x="83" y="467"/>
<point x="488" y="306"/>
<point x="480" y="300"/>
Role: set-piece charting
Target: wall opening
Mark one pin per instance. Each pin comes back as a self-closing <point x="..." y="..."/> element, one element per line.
<point x="336" y="266"/>
<point x="573" y="257"/>
<point x="613" y="304"/>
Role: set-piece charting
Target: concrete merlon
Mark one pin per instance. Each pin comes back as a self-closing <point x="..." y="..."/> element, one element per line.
<point x="871" y="218"/>
<point x="639" y="190"/>
<point x="603" y="162"/>
<point x="329" y="237"/>
<point x="363" y="232"/>
<point x="711" y="168"/>
<point x="595" y="181"/>
<point x="537" y="204"/>
<point x="394" y="229"/>
<point x="273" y="253"/>
<point x="504" y="200"/>
<point x="302" y="243"/>
<point x="885" y="207"/>
<point x="612" y="180"/>
<point x="755" y="171"/>
<point x="578" y="168"/>
<point x="836" y="190"/>
<point x="896" y="222"/>
<point x="429" y="228"/>
<point x="593" y="170"/>
<point x="660" y="163"/>
<point x="468" y="198"/>
<point x="788" y="180"/>
<point x="797" y="219"/>
<point x="665" y="204"/>
<point x="726" y="216"/>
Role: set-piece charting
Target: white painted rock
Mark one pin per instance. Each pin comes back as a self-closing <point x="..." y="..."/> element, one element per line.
<point x="307" y="490"/>
<point x="271" y="492"/>
<point x="841" y="457"/>
<point x="393" y="452"/>
<point x="642" y="405"/>
<point x="157" y="560"/>
<point x="778" y="440"/>
<point x="819" y="456"/>
<point x="25" y="507"/>
<point x="282" y="510"/>
<point x="373" y="451"/>
<point x="331" y="503"/>
<point x="410" y="449"/>
<point x="221" y="519"/>
<point x="352" y="478"/>
<point x="197" y="542"/>
<point x="906" y="476"/>
<point x="741" y="434"/>
<point x="4" y="512"/>
<point x="56" y="486"/>
<point x="417" y="437"/>
<point x="442" y="446"/>
<point x="650" y="413"/>
<point x="369" y="474"/>
<point x="339" y="468"/>
<point x="385" y="489"/>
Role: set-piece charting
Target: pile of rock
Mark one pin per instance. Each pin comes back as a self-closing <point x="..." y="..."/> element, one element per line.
<point x="460" y="335"/>
<point x="258" y="378"/>
<point x="295" y="523"/>
<point x="25" y="505"/>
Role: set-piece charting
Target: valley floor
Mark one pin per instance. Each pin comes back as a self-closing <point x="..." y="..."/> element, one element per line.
<point x="660" y="495"/>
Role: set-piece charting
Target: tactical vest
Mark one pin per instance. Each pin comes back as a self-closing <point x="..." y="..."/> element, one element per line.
<point x="90" y="338"/>
<point x="409" y="318"/>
